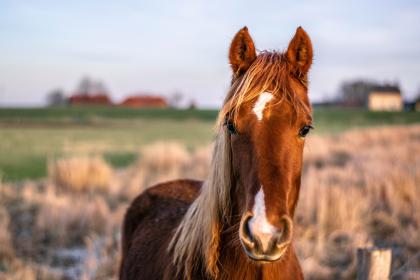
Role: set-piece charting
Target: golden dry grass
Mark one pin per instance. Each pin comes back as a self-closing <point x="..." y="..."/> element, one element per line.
<point x="81" y="173"/>
<point x="359" y="188"/>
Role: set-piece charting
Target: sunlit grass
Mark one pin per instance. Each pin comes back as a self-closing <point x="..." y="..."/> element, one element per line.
<point x="359" y="188"/>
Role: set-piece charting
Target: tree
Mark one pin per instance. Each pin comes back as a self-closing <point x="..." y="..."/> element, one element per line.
<point x="355" y="93"/>
<point x="88" y="86"/>
<point x="85" y="86"/>
<point x="417" y="96"/>
<point x="175" y="99"/>
<point x="56" y="98"/>
<point x="192" y="105"/>
<point x="99" y="87"/>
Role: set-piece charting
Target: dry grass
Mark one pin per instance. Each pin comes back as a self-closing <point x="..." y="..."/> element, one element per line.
<point x="6" y="250"/>
<point x="359" y="188"/>
<point x="81" y="173"/>
<point x="162" y="162"/>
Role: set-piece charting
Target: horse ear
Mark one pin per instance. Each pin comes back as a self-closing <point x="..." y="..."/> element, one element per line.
<point x="299" y="53"/>
<point x="242" y="52"/>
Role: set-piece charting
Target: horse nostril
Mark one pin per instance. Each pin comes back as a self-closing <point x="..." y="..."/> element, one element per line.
<point x="284" y="235"/>
<point x="245" y="233"/>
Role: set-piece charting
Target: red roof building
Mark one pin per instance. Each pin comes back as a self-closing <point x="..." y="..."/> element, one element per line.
<point x="91" y="99"/>
<point x="144" y="101"/>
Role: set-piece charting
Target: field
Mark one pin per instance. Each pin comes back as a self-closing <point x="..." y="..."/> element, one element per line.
<point x="69" y="174"/>
<point x="31" y="137"/>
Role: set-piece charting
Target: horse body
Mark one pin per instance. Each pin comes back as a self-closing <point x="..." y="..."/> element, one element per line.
<point x="238" y="223"/>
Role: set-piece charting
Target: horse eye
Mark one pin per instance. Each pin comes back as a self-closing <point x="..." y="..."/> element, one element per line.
<point x="305" y="130"/>
<point x="231" y="127"/>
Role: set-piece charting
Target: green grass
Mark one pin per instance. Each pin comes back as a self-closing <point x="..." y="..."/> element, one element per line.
<point x="29" y="137"/>
<point x="23" y="167"/>
<point x="25" y="147"/>
<point x="85" y="114"/>
<point x="118" y="159"/>
<point x="335" y="120"/>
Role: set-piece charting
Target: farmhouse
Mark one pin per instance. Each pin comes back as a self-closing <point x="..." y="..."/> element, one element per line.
<point x="385" y="98"/>
<point x="144" y="101"/>
<point x="89" y="99"/>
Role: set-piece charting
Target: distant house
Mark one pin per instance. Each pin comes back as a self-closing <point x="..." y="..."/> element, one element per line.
<point x="90" y="92"/>
<point x="89" y="99"/>
<point x="144" y="101"/>
<point x="385" y="98"/>
<point x="417" y="104"/>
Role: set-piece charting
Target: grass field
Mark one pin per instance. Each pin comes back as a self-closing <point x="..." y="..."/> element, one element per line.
<point x="360" y="188"/>
<point x="29" y="137"/>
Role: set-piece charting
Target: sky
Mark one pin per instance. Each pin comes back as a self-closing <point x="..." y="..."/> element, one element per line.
<point x="182" y="46"/>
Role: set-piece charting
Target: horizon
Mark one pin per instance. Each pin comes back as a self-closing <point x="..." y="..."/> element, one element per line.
<point x="164" y="47"/>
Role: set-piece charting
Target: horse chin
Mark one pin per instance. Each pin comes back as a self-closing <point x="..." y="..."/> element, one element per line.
<point x="265" y="259"/>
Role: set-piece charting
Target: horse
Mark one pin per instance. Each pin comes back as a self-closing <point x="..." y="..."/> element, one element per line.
<point x="238" y="223"/>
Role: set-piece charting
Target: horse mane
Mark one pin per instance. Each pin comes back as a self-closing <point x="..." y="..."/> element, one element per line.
<point x="198" y="235"/>
<point x="199" y="232"/>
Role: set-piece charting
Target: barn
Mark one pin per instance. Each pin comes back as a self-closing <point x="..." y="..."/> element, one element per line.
<point x="85" y="99"/>
<point x="144" y="101"/>
<point x="385" y="98"/>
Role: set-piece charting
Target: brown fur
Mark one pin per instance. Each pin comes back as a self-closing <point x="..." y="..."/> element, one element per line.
<point x="189" y="229"/>
<point x="151" y="217"/>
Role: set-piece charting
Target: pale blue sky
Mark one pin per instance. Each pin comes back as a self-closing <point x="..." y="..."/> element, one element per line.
<point x="165" y="46"/>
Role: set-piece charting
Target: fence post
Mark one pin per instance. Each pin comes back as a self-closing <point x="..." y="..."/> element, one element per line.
<point x="373" y="263"/>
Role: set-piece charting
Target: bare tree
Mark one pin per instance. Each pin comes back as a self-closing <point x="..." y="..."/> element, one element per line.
<point x="88" y="86"/>
<point x="417" y="95"/>
<point x="175" y="99"/>
<point x="355" y="93"/>
<point x="85" y="86"/>
<point x="192" y="105"/>
<point x="100" y="87"/>
<point x="56" y="98"/>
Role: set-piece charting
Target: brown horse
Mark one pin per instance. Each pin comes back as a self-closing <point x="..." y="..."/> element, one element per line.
<point x="238" y="224"/>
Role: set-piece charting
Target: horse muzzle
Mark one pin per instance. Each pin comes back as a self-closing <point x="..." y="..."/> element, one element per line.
<point x="262" y="241"/>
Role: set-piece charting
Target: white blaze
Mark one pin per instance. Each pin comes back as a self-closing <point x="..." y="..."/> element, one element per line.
<point x="262" y="101"/>
<point x="259" y="225"/>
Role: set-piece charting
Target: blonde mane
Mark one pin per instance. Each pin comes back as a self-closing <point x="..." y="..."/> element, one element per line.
<point x="198" y="235"/>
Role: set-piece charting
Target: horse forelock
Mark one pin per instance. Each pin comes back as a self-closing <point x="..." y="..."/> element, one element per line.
<point x="269" y="72"/>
